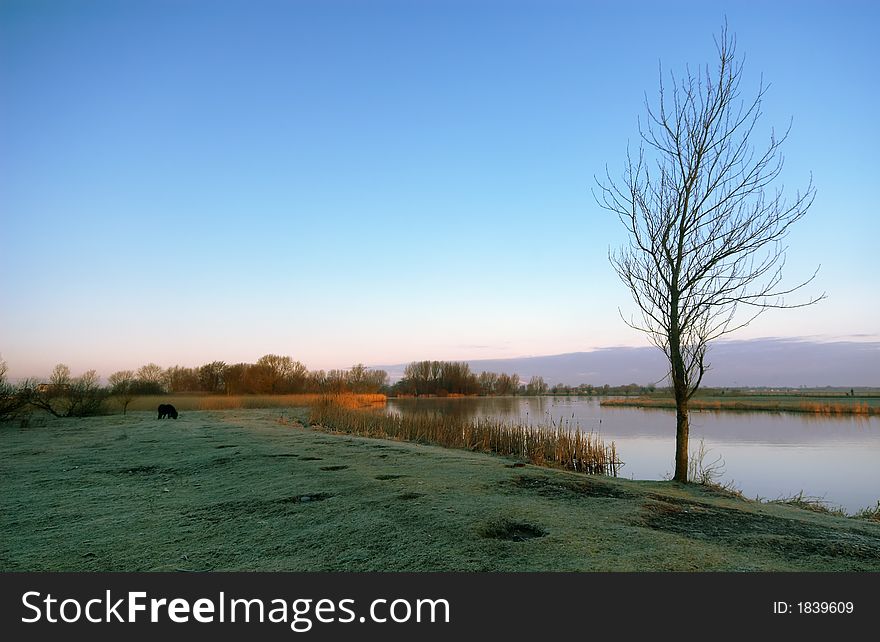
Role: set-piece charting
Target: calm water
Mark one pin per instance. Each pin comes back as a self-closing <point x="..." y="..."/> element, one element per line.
<point x="765" y="454"/>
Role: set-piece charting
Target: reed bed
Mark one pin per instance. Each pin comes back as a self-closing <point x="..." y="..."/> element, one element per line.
<point x="557" y="445"/>
<point x="249" y="402"/>
<point x="812" y="407"/>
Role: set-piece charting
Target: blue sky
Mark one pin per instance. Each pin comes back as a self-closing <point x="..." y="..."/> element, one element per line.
<point x="380" y="182"/>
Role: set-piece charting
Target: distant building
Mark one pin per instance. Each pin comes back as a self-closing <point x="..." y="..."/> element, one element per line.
<point x="45" y="388"/>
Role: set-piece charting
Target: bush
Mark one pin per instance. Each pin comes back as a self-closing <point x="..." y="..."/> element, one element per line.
<point x="12" y="401"/>
<point x="81" y="397"/>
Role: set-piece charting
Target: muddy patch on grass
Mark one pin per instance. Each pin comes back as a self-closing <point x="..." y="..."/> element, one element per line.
<point x="388" y="477"/>
<point x="227" y="446"/>
<point x="566" y="488"/>
<point x="408" y="496"/>
<point x="306" y="499"/>
<point x="511" y="530"/>
<point x="333" y="468"/>
<point x="139" y="470"/>
<point x="311" y="459"/>
<point x="294" y="455"/>
<point x="791" y="537"/>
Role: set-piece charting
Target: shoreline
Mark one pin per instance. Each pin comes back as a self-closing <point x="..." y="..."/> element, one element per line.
<point x="794" y="405"/>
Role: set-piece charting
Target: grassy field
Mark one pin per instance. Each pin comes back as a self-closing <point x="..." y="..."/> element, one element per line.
<point x="240" y="490"/>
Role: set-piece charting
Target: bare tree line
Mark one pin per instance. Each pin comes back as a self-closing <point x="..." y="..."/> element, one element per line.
<point x="64" y="395"/>
<point x="270" y="374"/>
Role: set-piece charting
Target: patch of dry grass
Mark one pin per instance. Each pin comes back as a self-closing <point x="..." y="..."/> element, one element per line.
<point x="871" y="513"/>
<point x="814" y="504"/>
<point x="253" y="402"/>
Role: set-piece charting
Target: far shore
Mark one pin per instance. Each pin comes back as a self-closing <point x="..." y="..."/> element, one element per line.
<point x="799" y="403"/>
<point x="839" y="402"/>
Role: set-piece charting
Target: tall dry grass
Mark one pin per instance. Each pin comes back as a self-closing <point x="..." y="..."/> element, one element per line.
<point x="249" y="402"/>
<point x="554" y="445"/>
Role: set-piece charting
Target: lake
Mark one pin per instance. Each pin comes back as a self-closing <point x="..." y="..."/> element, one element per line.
<point x="767" y="455"/>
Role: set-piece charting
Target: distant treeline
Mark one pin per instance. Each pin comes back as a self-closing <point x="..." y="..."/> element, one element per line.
<point x="444" y="378"/>
<point x="271" y="374"/>
<point x="65" y="395"/>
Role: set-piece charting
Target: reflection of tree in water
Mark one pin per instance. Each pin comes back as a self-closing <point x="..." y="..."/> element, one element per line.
<point x="506" y="408"/>
<point x="566" y="412"/>
<point x="528" y="410"/>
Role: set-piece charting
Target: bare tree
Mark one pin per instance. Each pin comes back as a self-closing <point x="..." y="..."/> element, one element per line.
<point x="60" y="378"/>
<point x="361" y="380"/>
<point x="149" y="380"/>
<point x="536" y="386"/>
<point x="122" y="388"/>
<point x="706" y="234"/>
<point x="180" y="379"/>
<point x="211" y="376"/>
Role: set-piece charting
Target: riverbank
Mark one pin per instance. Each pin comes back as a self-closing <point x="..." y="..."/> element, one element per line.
<point x="869" y="406"/>
<point x="239" y="490"/>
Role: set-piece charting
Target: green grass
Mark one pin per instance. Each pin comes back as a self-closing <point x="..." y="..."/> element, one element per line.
<point x="238" y="490"/>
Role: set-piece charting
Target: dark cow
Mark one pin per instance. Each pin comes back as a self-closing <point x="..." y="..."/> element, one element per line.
<point x="167" y="410"/>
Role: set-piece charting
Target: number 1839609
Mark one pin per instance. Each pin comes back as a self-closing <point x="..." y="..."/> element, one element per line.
<point x="809" y="608"/>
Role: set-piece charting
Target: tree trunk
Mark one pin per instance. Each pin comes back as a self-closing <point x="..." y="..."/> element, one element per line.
<point x="680" y="387"/>
<point x="681" y="438"/>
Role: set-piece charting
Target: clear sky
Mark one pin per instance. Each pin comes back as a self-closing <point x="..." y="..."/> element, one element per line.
<point x="381" y="182"/>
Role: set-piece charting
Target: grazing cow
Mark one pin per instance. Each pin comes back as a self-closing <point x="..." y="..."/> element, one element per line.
<point x="167" y="410"/>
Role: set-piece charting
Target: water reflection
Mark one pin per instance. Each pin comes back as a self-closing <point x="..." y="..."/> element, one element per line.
<point x="766" y="454"/>
<point x="507" y="408"/>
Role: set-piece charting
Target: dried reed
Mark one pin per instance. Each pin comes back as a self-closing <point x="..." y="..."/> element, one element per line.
<point x="557" y="445"/>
